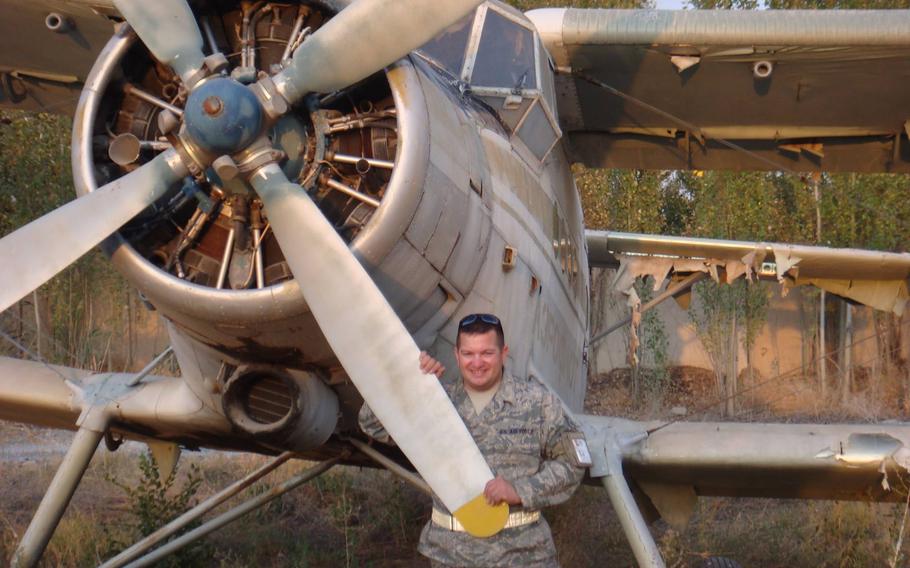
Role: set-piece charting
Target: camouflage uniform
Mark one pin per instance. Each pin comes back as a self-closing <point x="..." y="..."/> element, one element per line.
<point x="520" y="433"/>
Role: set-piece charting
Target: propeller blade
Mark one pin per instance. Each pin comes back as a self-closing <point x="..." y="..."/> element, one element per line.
<point x="168" y="29"/>
<point x="36" y="252"/>
<point x="379" y="354"/>
<point x="362" y="39"/>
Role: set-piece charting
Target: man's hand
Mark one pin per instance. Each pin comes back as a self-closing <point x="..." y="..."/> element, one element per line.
<point x="498" y="490"/>
<point x="431" y="366"/>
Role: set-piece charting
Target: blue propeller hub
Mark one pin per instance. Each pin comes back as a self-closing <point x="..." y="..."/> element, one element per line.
<point x="222" y="116"/>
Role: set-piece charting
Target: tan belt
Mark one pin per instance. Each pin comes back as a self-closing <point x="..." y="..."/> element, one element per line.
<point x="516" y="519"/>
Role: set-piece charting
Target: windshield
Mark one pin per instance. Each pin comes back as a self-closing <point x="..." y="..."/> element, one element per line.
<point x="505" y="57"/>
<point x="448" y="48"/>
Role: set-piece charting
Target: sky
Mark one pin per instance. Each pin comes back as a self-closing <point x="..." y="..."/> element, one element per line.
<point x="669" y="4"/>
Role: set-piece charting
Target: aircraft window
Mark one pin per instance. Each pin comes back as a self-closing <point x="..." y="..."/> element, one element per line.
<point x="448" y="48"/>
<point x="505" y="56"/>
<point x="548" y="88"/>
<point x="510" y="113"/>
<point x="537" y="132"/>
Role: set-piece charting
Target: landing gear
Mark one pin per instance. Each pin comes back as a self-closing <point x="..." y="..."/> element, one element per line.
<point x="92" y="426"/>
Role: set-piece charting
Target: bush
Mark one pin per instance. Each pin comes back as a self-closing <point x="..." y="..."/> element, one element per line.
<point x="154" y="502"/>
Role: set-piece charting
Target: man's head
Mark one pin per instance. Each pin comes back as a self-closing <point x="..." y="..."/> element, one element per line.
<point x="481" y="351"/>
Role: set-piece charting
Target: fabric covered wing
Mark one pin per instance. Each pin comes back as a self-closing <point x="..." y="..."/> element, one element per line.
<point x="874" y="278"/>
<point x="806" y="461"/>
<point x="836" y="98"/>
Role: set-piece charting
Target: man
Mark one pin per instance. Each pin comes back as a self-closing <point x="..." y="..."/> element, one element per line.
<point x="523" y="433"/>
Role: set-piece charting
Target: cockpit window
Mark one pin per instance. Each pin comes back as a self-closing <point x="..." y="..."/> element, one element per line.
<point x="507" y="51"/>
<point x="448" y="48"/>
<point x="494" y="54"/>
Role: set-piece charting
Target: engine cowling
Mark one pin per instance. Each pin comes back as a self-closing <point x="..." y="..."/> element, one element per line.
<point x="203" y="255"/>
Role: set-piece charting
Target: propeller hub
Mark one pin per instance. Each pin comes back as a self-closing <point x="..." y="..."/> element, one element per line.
<point x="223" y="116"/>
<point x="212" y="106"/>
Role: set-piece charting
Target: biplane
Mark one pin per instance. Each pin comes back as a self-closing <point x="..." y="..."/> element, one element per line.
<point x="310" y="194"/>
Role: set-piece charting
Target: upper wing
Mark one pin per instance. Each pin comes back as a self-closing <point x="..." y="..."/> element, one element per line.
<point x="678" y="81"/>
<point x="47" y="48"/>
<point x="875" y="278"/>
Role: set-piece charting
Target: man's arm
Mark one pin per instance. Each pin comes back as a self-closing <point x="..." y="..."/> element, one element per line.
<point x="371" y="426"/>
<point x="558" y="477"/>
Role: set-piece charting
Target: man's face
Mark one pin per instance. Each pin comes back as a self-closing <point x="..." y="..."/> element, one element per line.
<point x="480" y="360"/>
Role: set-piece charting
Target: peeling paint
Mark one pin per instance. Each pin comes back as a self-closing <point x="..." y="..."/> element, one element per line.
<point x="787" y="263"/>
<point x="870" y="449"/>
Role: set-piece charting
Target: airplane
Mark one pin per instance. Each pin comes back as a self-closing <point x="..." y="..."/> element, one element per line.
<point x="310" y="194"/>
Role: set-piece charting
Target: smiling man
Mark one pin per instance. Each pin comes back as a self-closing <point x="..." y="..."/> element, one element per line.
<point x="525" y="436"/>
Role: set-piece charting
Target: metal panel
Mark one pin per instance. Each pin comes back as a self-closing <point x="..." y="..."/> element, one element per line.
<point x="406" y="279"/>
<point x="466" y="260"/>
<point x="432" y="203"/>
<point x="449" y="228"/>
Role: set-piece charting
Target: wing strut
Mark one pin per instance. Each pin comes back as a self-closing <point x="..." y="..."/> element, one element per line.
<point x="606" y="458"/>
<point x="671" y="291"/>
<point x="92" y="426"/>
<point x="188" y="517"/>
<point x="226" y="517"/>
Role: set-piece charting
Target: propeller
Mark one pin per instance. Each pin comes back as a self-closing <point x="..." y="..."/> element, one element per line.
<point x="362" y="39"/>
<point x="168" y="29"/>
<point x="36" y="252"/>
<point x="370" y="341"/>
<point x="379" y="354"/>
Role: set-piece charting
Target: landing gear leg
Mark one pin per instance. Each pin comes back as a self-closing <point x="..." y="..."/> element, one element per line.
<point x="606" y="456"/>
<point x="91" y="430"/>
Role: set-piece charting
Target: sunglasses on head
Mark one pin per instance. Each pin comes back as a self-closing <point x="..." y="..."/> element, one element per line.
<point x="486" y="318"/>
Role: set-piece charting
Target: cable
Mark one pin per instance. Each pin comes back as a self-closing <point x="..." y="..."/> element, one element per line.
<point x="43" y="334"/>
<point x="30" y="354"/>
<point x="702" y="136"/>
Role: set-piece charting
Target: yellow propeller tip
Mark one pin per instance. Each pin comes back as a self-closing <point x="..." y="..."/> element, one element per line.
<point x="480" y="519"/>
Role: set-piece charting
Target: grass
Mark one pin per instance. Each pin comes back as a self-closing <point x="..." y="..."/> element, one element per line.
<point x="363" y="518"/>
<point x="347" y="517"/>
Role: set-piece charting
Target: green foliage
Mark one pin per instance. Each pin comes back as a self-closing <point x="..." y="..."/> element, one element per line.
<point x="35" y="173"/>
<point x="797" y="4"/>
<point x="636" y="201"/>
<point x="77" y="323"/>
<point x="654" y="346"/>
<point x="154" y="502"/>
<point x="724" y="309"/>
<point x="836" y="4"/>
<point x="723" y="4"/>
<point x="525" y="5"/>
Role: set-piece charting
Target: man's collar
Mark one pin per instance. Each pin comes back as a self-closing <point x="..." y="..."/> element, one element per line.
<point x="506" y="389"/>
